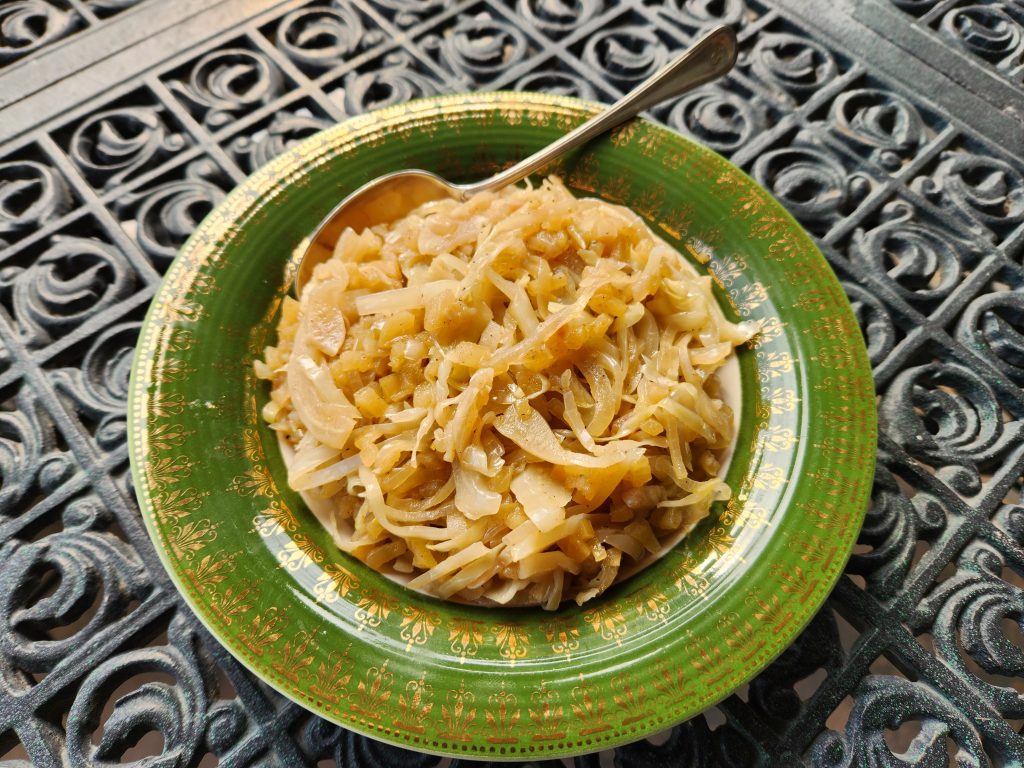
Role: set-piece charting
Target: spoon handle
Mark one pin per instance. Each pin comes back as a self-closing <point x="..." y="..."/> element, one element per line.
<point x="707" y="59"/>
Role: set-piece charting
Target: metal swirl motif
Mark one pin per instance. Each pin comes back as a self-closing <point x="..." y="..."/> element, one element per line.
<point x="949" y="417"/>
<point x="984" y="190"/>
<point x="31" y="196"/>
<point x="892" y="528"/>
<point x="559" y="17"/>
<point x="883" y="702"/>
<point x="167" y="214"/>
<point x="625" y="55"/>
<point x="922" y="264"/>
<point x="324" y="37"/>
<point x="319" y="736"/>
<point x="811" y="183"/>
<point x="28" y="25"/>
<point x="30" y="460"/>
<point x="875" y="321"/>
<point x="76" y="564"/>
<point x="112" y="146"/>
<point x="285" y="130"/>
<point x="99" y="387"/>
<point x="883" y="122"/>
<point x="968" y="611"/>
<point x="480" y="47"/>
<point x="395" y="81"/>
<point x="225" y="725"/>
<point x="227" y="82"/>
<point x="992" y="326"/>
<point x="1009" y="517"/>
<point x="71" y="281"/>
<point x="792" y="65"/>
<point x="724" y="121"/>
<point x="987" y="31"/>
<point x="174" y="710"/>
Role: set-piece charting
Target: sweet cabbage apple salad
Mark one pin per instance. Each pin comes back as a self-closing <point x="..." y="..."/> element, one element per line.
<point x="510" y="400"/>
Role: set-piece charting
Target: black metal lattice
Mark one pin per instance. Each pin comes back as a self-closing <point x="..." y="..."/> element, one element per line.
<point x="990" y="32"/>
<point x="909" y="176"/>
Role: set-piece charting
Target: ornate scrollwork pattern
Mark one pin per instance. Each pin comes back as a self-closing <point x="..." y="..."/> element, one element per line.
<point x="350" y="750"/>
<point x="80" y="565"/>
<point x="876" y="323"/>
<point x="31" y="196"/>
<point x="320" y="37"/>
<point x="812" y="183"/>
<point x="73" y="279"/>
<point x="163" y="216"/>
<point x="987" y="31"/>
<point x="31" y="461"/>
<point x="394" y="80"/>
<point x="794" y="67"/>
<point x="558" y="18"/>
<point x="965" y="615"/>
<point x="563" y="83"/>
<point x="922" y="263"/>
<point x="817" y="647"/>
<point x="884" y="702"/>
<point x="948" y="417"/>
<point x="703" y="13"/>
<point x="28" y="25"/>
<point x="1010" y="518"/>
<point x="227" y="83"/>
<point x="406" y="13"/>
<point x="983" y="190"/>
<point x="625" y="55"/>
<point x="285" y="130"/>
<point x="174" y="710"/>
<point x="99" y="386"/>
<point x="882" y="122"/>
<point x="992" y="326"/>
<point x="115" y="145"/>
<point x="723" y="121"/>
<point x="480" y="47"/>
<point x="892" y="529"/>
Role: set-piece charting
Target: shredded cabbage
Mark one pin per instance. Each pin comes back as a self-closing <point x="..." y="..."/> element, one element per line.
<point x="509" y="399"/>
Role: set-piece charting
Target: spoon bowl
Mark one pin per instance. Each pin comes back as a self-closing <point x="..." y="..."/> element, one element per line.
<point x="391" y="196"/>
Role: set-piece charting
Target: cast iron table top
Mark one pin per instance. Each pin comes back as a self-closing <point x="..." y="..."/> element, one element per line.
<point x="892" y="129"/>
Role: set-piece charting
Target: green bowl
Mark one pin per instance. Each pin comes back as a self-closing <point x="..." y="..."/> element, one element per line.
<point x="359" y="650"/>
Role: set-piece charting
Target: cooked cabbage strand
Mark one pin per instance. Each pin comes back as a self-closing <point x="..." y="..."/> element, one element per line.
<point x="510" y="399"/>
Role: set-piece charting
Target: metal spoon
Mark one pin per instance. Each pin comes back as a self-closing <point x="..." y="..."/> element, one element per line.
<point x="390" y="197"/>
